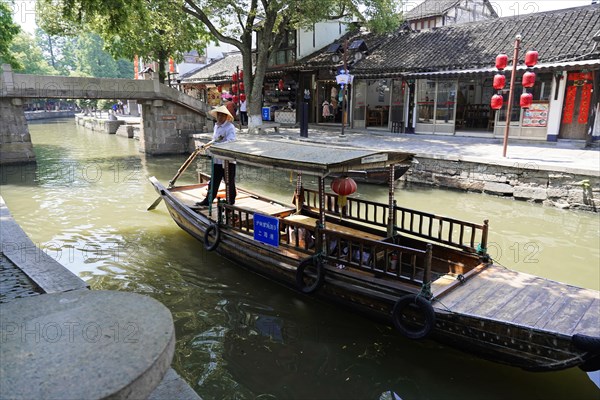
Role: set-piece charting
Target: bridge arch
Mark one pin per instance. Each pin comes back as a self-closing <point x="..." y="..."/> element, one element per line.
<point x="168" y="115"/>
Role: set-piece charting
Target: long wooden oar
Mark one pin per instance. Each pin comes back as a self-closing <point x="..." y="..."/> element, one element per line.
<point x="180" y="171"/>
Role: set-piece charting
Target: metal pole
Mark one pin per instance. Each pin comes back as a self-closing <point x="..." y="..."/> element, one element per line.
<point x="345" y="85"/>
<point x="510" y="93"/>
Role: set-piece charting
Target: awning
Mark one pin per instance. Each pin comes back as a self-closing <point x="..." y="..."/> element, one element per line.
<point x="308" y="158"/>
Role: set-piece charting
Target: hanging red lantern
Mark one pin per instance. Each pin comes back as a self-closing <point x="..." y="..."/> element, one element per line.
<point x="242" y="97"/>
<point x="496" y="102"/>
<point x="234" y="99"/>
<point x="234" y="77"/>
<point x="280" y="84"/>
<point x="501" y="61"/>
<point x="528" y="79"/>
<point x="241" y="75"/>
<point x="219" y="88"/>
<point x="531" y="58"/>
<point x="499" y="81"/>
<point x="526" y="100"/>
<point x="241" y="84"/>
<point x="234" y="89"/>
<point x="343" y="187"/>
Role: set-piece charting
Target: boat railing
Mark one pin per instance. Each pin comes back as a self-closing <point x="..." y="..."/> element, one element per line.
<point x="467" y="236"/>
<point x="291" y="233"/>
<point x="380" y="258"/>
<point x="360" y="210"/>
<point x="464" y="235"/>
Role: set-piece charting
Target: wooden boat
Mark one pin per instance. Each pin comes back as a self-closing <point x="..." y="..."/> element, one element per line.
<point x="428" y="275"/>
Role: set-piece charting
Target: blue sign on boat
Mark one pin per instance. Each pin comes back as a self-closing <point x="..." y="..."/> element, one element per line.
<point x="266" y="229"/>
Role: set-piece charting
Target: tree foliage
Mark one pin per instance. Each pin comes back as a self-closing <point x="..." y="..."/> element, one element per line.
<point x="152" y="29"/>
<point x="8" y="32"/>
<point x="29" y="57"/>
<point x="155" y="28"/>
<point x="235" y="21"/>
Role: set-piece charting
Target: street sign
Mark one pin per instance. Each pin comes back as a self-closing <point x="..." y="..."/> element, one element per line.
<point x="266" y="229"/>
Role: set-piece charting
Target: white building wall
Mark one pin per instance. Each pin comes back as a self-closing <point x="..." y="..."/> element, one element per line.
<point x="324" y="33"/>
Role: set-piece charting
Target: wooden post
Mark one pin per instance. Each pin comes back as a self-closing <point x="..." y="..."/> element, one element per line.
<point x="320" y="236"/>
<point x="484" y="234"/>
<point x="390" y="227"/>
<point x="511" y="93"/>
<point x="226" y="179"/>
<point x="426" y="289"/>
<point x="299" y="194"/>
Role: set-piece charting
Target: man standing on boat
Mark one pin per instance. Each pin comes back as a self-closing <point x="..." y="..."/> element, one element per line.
<point x="224" y="132"/>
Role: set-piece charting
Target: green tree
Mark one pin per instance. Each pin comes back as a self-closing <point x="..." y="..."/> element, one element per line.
<point x="8" y="31"/>
<point x="29" y="56"/>
<point x="152" y="29"/>
<point x="158" y="23"/>
<point x="272" y="19"/>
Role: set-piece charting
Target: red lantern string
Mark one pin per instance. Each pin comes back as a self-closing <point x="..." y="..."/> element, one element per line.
<point x="531" y="58"/>
<point x="526" y="100"/>
<point x="501" y="61"/>
<point x="499" y="81"/>
<point x="496" y="102"/>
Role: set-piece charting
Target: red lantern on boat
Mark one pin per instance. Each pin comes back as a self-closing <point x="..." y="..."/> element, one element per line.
<point x="496" y="102"/>
<point x="343" y="187"/>
<point x="234" y="89"/>
<point x="528" y="79"/>
<point x="499" y="81"/>
<point x="234" y="77"/>
<point x="526" y="100"/>
<point x="242" y="97"/>
<point x="241" y="84"/>
<point x="531" y="58"/>
<point x="234" y="99"/>
<point x="241" y="75"/>
<point x="280" y="84"/>
<point x="501" y="61"/>
<point x="219" y="88"/>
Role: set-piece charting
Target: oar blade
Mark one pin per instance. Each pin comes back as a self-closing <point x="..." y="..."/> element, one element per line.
<point x="155" y="204"/>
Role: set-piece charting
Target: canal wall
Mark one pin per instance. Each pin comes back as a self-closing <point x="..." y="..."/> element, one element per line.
<point x="28" y="275"/>
<point x="565" y="188"/>
<point x="38" y="115"/>
<point x="126" y="128"/>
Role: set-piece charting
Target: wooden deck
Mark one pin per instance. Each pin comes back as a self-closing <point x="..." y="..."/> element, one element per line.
<point x="500" y="294"/>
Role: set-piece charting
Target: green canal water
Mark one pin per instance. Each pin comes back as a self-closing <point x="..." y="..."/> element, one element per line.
<point x="240" y="336"/>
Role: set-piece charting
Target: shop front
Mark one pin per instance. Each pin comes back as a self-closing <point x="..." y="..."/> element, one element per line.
<point x="378" y="103"/>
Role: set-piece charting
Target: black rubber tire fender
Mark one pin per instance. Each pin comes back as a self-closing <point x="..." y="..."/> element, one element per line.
<point x="316" y="285"/>
<point x="207" y="245"/>
<point x="425" y="309"/>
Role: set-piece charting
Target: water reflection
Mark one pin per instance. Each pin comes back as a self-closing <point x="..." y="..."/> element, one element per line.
<point x="244" y="337"/>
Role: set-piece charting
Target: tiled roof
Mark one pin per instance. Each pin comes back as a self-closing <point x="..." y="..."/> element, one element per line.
<point x="430" y="8"/>
<point x="321" y="58"/>
<point x="558" y="35"/>
<point x="220" y="70"/>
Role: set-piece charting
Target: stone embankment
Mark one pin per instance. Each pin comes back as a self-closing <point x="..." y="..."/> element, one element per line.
<point x="38" y="115"/>
<point x="121" y="127"/>
<point x="527" y="181"/>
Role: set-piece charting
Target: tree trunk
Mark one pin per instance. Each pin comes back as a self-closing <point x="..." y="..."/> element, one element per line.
<point x="162" y="59"/>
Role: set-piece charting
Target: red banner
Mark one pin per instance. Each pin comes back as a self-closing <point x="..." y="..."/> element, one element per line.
<point x="135" y="67"/>
<point x="569" y="105"/>
<point x="584" y="104"/>
<point x="171" y="65"/>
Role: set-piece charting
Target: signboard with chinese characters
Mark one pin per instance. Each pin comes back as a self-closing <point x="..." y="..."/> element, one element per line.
<point x="266" y="229"/>
<point x="536" y="115"/>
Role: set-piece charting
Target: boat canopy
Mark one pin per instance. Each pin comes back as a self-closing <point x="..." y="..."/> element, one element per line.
<point x="309" y="158"/>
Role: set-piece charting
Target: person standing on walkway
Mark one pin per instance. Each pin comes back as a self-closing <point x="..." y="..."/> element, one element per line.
<point x="224" y="132"/>
<point x="243" y="113"/>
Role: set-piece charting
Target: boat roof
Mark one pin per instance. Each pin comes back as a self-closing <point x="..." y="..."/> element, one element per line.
<point x="305" y="157"/>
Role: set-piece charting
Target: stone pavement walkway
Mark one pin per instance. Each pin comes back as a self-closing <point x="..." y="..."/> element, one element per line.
<point x="563" y="156"/>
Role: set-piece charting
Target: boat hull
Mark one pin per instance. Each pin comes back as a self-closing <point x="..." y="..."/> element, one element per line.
<point x="520" y="346"/>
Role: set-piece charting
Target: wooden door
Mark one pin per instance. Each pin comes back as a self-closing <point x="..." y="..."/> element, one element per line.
<point x="576" y="108"/>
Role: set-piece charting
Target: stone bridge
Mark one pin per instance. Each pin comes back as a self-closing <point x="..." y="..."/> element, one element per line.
<point x="168" y="115"/>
